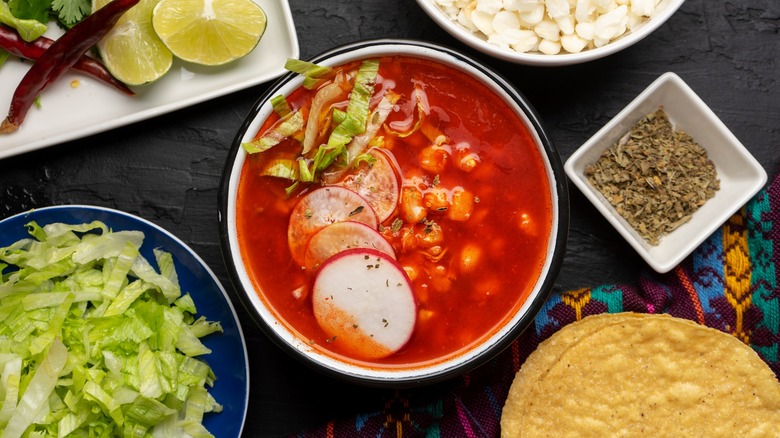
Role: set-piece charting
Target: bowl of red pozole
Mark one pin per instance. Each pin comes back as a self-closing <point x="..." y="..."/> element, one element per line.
<point x="393" y="213"/>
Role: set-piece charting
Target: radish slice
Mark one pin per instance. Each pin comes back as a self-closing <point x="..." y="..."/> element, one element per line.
<point x="363" y="300"/>
<point x="320" y="208"/>
<point x="340" y="236"/>
<point x="378" y="182"/>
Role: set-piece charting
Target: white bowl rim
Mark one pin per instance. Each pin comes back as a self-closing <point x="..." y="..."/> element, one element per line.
<point x="540" y="59"/>
<point x="395" y="376"/>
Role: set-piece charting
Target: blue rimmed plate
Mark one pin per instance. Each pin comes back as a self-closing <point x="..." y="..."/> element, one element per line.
<point x="228" y="358"/>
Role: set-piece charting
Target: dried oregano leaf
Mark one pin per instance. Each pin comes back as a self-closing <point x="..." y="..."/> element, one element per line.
<point x="656" y="177"/>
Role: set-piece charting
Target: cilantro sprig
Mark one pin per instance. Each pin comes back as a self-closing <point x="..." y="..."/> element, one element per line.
<point x="70" y="12"/>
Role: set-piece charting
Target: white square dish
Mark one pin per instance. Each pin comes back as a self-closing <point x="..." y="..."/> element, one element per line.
<point x="741" y="176"/>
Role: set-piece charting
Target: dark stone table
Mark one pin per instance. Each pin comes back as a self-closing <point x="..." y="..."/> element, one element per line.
<point x="168" y="169"/>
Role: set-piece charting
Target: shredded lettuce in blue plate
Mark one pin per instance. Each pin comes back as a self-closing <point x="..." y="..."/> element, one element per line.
<point x="94" y="341"/>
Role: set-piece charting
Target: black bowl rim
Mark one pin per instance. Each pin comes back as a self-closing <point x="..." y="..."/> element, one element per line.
<point x="545" y="289"/>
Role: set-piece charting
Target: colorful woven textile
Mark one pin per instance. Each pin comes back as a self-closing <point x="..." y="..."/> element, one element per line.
<point x="730" y="283"/>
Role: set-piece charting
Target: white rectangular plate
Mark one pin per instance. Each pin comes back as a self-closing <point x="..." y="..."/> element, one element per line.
<point x="77" y="105"/>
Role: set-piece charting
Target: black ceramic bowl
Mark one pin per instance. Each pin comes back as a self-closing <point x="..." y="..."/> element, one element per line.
<point x="397" y="375"/>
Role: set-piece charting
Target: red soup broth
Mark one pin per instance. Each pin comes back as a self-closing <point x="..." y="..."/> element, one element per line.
<point x="471" y="275"/>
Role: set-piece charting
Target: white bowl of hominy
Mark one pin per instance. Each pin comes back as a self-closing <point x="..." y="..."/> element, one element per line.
<point x="550" y="32"/>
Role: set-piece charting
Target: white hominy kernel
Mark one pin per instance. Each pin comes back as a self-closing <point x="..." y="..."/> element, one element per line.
<point x="584" y="30"/>
<point x="528" y="41"/>
<point x="497" y="40"/>
<point x="515" y="36"/>
<point x="532" y="18"/>
<point x="584" y="11"/>
<point x="557" y="8"/>
<point x="573" y="43"/>
<point x="511" y="5"/>
<point x="643" y="7"/>
<point x="634" y="21"/>
<point x="505" y="21"/>
<point x="548" y="30"/>
<point x="599" y="42"/>
<point x="612" y="24"/>
<point x="566" y="24"/>
<point x="490" y="6"/>
<point x="521" y="5"/>
<point x="450" y="10"/>
<point x="464" y="20"/>
<point x="549" y="47"/>
<point x="483" y="21"/>
<point x="604" y="6"/>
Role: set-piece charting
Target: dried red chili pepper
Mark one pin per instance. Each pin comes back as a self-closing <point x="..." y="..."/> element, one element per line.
<point x="60" y="57"/>
<point x="33" y="50"/>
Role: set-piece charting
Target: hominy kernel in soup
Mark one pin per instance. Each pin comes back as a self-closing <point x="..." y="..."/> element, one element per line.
<point x="470" y="180"/>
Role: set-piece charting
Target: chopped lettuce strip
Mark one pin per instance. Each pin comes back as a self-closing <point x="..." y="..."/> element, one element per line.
<point x="338" y="116"/>
<point x="95" y="342"/>
<point x="360" y="143"/>
<point x="283" y="109"/>
<point x="284" y="128"/>
<point x="10" y="375"/>
<point x="357" y="109"/>
<point x="39" y="389"/>
<point x="304" y="171"/>
<point x="364" y="158"/>
<point x="281" y="168"/>
<point x="280" y="105"/>
<point x="3" y="56"/>
<point x="320" y="111"/>
<point x="312" y="73"/>
<point x="357" y="122"/>
<point x="28" y="29"/>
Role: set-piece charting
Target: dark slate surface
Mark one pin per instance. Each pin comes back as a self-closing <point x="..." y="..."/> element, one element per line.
<point x="168" y="169"/>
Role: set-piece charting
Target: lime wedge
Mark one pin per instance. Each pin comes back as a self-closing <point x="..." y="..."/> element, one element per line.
<point x="209" y="32"/>
<point x="132" y="51"/>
